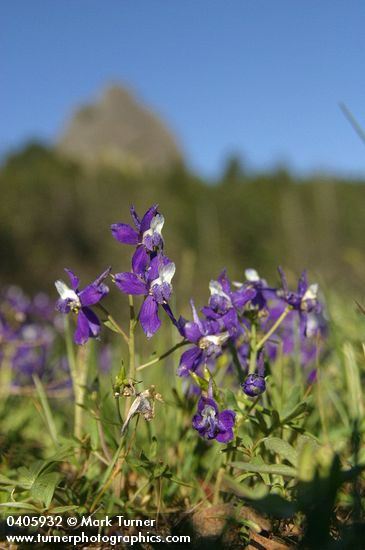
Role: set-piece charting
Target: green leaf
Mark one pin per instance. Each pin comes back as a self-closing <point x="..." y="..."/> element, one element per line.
<point x="44" y="487"/>
<point x="231" y="400"/>
<point x="261" y="422"/>
<point x="276" y="469"/>
<point x="108" y="324"/>
<point x="160" y="470"/>
<point x="276" y="506"/>
<point x="6" y="481"/>
<point x="297" y="411"/>
<point x="282" y="448"/>
<point x="353" y="379"/>
<point x="231" y="485"/>
<point x="21" y="505"/>
<point x="153" y="448"/>
<point x="246" y="441"/>
<point x="179" y="482"/>
<point x="292" y="400"/>
<point x="62" y="509"/>
<point x="306" y="462"/>
<point x="275" y="423"/>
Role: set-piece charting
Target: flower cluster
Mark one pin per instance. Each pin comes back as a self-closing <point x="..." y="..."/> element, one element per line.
<point x="212" y="424"/>
<point x="152" y="271"/>
<point x="243" y="326"/>
<point x="79" y="302"/>
<point x="28" y="334"/>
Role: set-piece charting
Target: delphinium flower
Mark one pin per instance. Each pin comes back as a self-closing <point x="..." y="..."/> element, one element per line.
<point x="225" y="305"/>
<point x="258" y="287"/>
<point x="293" y="336"/>
<point x="152" y="271"/>
<point x="304" y="328"/>
<point x="146" y="236"/>
<point x="27" y="337"/>
<point x="155" y="284"/>
<point x="207" y="339"/>
<point x="304" y="300"/>
<point x="212" y="424"/>
<point x="254" y="383"/>
<point x="79" y="302"/>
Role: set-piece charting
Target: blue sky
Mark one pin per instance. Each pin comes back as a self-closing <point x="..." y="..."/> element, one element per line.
<point x="258" y="78"/>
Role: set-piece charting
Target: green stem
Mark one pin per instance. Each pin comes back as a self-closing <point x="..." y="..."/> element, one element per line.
<point x="160" y="357"/>
<point x="253" y="354"/>
<point x="113" y="322"/>
<point x="131" y="349"/>
<point x="131" y="343"/>
<point x="74" y="378"/>
<point x="80" y="389"/>
<point x="109" y="475"/>
<point x="273" y="328"/>
<point x="236" y="362"/>
<point x="46" y="409"/>
<point x="218" y="483"/>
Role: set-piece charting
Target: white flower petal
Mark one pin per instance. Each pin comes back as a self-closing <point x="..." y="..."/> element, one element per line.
<point x="252" y="275"/>
<point x="166" y="273"/>
<point x="65" y="292"/>
<point x="311" y="293"/>
<point x="216" y="289"/>
<point x="157" y="223"/>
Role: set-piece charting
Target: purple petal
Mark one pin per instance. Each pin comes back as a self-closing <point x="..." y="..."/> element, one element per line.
<point x="225" y="437"/>
<point x="196" y="317"/>
<point x="92" y="294"/>
<point x="168" y="310"/>
<point x="147" y="218"/>
<point x="192" y="332"/>
<point x="207" y="401"/>
<point x="140" y="261"/>
<point x="189" y="361"/>
<point x="156" y="263"/>
<point x="198" y="422"/>
<point x="63" y="306"/>
<point x="226" y="419"/>
<point x="283" y="279"/>
<point x="209" y="312"/>
<point x="224" y="281"/>
<point x="129" y="283"/>
<point x="88" y="326"/>
<point x="303" y="283"/>
<point x="75" y="281"/>
<point x="124" y="233"/>
<point x="149" y="316"/>
<point x="135" y="218"/>
<point x="241" y="297"/>
<point x="103" y="276"/>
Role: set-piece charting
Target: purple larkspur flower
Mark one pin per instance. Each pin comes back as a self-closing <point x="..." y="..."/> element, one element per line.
<point x="305" y="298"/>
<point x="207" y="339"/>
<point x="294" y="334"/>
<point x="253" y="294"/>
<point x="146" y="236"/>
<point x="78" y="301"/>
<point x="223" y="298"/>
<point x="155" y="284"/>
<point x="254" y="385"/>
<point x="212" y="424"/>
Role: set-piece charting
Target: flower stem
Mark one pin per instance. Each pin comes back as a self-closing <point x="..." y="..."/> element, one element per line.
<point x="218" y="481"/>
<point x="113" y="322"/>
<point x="131" y="346"/>
<point x="273" y="328"/>
<point x="253" y="353"/>
<point x="160" y="357"/>
<point x="78" y="380"/>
